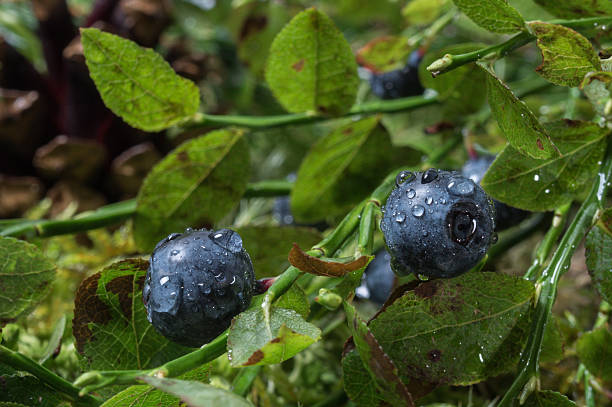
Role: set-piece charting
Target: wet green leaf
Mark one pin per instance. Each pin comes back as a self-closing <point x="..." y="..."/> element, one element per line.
<point x="257" y="340"/>
<point x="597" y="87"/>
<point x="566" y="55"/>
<point x="577" y="8"/>
<point x="311" y="66"/>
<point x="269" y="246"/>
<point x="599" y="254"/>
<point x="195" y="185"/>
<point x="457" y="331"/>
<point x="519" y="125"/>
<point x="595" y="351"/>
<point x="358" y="383"/>
<point x="136" y="83"/>
<point x="548" y="398"/>
<point x="25" y="276"/>
<point x="493" y="15"/>
<point x="295" y="299"/>
<point x="110" y="323"/>
<point x="196" y="394"/>
<point x="541" y="185"/>
<point x="343" y="167"/>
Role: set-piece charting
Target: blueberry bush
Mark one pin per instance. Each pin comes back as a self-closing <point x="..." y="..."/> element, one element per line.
<point x="220" y="175"/>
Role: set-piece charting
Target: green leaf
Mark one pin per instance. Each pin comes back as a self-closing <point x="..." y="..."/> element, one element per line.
<point x="55" y="340"/>
<point x="494" y="15"/>
<point x="408" y="129"/>
<point x="381" y="368"/>
<point x="599" y="254"/>
<point x="595" y="350"/>
<point x="519" y="125"/>
<point x="136" y="83"/>
<point x="343" y="167"/>
<point x="195" y="185"/>
<point x="548" y="398"/>
<point x="147" y="396"/>
<point x="196" y="394"/>
<point x="577" y="8"/>
<point x="461" y="89"/>
<point x="268" y="246"/>
<point x="457" y="331"/>
<point x="25" y="277"/>
<point x="597" y="87"/>
<point x="255" y="339"/>
<point x="384" y="54"/>
<point x="358" y="383"/>
<point x="566" y="55"/>
<point x="295" y="299"/>
<point x="110" y="323"/>
<point x="311" y="66"/>
<point x="423" y="12"/>
<point x="542" y="185"/>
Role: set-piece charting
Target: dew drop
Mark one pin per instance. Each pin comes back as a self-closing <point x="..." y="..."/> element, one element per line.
<point x="411" y="193"/>
<point x="429" y="175"/>
<point x="547" y="191"/>
<point x="400" y="218"/>
<point x="461" y="188"/>
<point x="174" y="252"/>
<point x="164" y="280"/>
<point x="536" y="178"/>
<point x="429" y="200"/>
<point x="404" y="176"/>
<point x="422" y="277"/>
<point x="418" y="211"/>
<point x="188" y="230"/>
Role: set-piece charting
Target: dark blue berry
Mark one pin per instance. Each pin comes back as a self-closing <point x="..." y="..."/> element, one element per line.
<point x="505" y="216"/>
<point x="196" y="283"/>
<point x="379" y="277"/>
<point x="437" y="224"/>
<point x="399" y="83"/>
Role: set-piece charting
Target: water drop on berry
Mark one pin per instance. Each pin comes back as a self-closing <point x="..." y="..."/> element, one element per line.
<point x="404" y="176"/>
<point x="429" y="176"/>
<point x="400" y="218"/>
<point x="411" y="193"/>
<point x="418" y="211"/>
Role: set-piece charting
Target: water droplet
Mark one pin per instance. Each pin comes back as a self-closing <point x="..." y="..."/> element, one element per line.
<point x="461" y="188"/>
<point x="174" y="252"/>
<point x="164" y="280"/>
<point x="418" y="211"/>
<point x="429" y="175"/>
<point x="480" y="357"/>
<point x="536" y="178"/>
<point x="219" y="277"/>
<point x="422" y="277"/>
<point x="218" y="235"/>
<point x="229" y="240"/>
<point x="411" y="193"/>
<point x="547" y="191"/>
<point x="425" y="233"/>
<point x="173" y="293"/>
<point x="400" y="218"/>
<point x="429" y="200"/>
<point x="443" y="201"/>
<point x="404" y="176"/>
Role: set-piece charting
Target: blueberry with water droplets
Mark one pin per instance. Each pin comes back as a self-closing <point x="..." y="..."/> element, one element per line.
<point x="399" y="83"/>
<point x="505" y="216"/>
<point x="447" y="224"/>
<point x="196" y="283"/>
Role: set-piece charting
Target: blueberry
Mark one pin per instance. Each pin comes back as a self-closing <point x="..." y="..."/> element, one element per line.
<point x="505" y="216"/>
<point x="400" y="82"/>
<point x="379" y="277"/>
<point x="196" y="283"/>
<point x="437" y="224"/>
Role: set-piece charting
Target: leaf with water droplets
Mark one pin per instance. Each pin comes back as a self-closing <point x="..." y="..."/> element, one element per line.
<point x="599" y="254"/>
<point x="518" y="124"/>
<point x="25" y="277"/>
<point x="195" y="185"/>
<point x="110" y="322"/>
<point x="542" y="185"/>
<point x="594" y="350"/>
<point x="457" y="331"/>
<point x="566" y="55"/>
<point x="257" y="338"/>
<point x="325" y="267"/>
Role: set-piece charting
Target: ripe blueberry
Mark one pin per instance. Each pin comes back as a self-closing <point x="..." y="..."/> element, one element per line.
<point x="437" y="224"/>
<point x="505" y="216"/>
<point x="196" y="283"/>
<point x="379" y="278"/>
<point x="399" y="82"/>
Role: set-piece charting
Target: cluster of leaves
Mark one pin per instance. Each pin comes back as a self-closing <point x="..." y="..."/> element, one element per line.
<point x="430" y="339"/>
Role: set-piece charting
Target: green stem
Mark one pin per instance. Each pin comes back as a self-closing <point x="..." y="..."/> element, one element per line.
<point x="546" y="245"/>
<point x="529" y="363"/>
<point x="261" y="122"/>
<point x="114" y="213"/>
<point x="244" y="380"/>
<point x="367" y="225"/>
<point x="23" y="363"/>
<point x="449" y="62"/>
